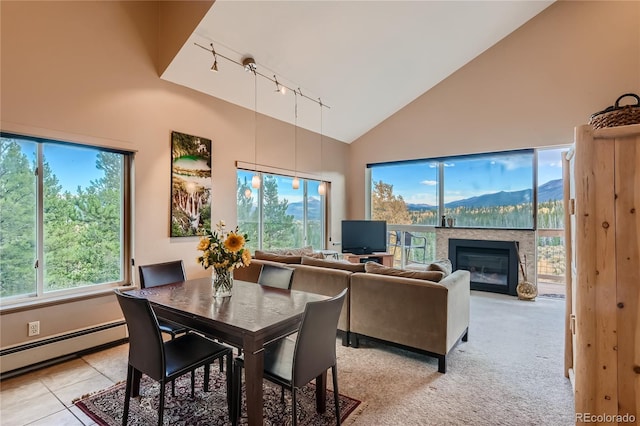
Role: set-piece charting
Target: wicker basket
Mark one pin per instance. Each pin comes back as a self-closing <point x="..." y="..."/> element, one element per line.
<point x="617" y="115"/>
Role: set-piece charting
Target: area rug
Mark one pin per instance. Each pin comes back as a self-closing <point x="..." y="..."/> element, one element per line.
<point x="206" y="408"/>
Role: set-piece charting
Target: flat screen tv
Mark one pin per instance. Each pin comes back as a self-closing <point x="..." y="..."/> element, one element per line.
<point x="364" y="236"/>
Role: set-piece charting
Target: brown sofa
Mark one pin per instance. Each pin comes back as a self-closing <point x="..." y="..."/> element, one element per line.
<point x="417" y="314"/>
<point x="413" y="313"/>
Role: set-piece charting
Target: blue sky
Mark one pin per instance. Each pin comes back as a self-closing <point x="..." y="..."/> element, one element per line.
<point x="73" y="166"/>
<point x="417" y="182"/>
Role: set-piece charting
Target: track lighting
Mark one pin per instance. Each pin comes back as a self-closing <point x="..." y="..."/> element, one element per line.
<point x="322" y="188"/>
<point x="255" y="180"/>
<point x="249" y="64"/>
<point x="296" y="182"/>
<point x="279" y="87"/>
<point x="214" y="67"/>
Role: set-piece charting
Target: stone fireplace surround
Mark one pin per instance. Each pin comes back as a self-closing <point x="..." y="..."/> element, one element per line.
<point x="526" y="239"/>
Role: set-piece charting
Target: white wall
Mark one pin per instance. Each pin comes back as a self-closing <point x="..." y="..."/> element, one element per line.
<point x="529" y="90"/>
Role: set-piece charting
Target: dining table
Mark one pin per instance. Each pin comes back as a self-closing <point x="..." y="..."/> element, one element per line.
<point x="251" y="318"/>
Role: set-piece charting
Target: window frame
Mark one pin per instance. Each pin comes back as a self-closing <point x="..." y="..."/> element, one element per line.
<point x="40" y="296"/>
<point x="442" y="183"/>
<point x="305" y="197"/>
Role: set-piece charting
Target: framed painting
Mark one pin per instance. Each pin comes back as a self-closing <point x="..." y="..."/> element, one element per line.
<point x="190" y="185"/>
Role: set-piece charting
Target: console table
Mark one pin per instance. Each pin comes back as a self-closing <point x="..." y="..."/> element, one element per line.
<point x="385" y="259"/>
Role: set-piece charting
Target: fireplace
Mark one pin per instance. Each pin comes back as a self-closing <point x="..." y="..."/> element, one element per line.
<point x="493" y="264"/>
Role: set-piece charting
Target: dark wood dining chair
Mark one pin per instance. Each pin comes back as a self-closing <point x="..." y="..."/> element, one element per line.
<point x="294" y="363"/>
<point x="165" y="361"/>
<point x="276" y="276"/>
<point x="160" y="274"/>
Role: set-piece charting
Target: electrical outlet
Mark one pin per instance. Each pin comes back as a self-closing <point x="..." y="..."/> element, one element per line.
<point x="34" y="328"/>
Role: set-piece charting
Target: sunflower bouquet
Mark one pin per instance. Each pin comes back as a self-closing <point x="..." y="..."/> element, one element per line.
<point x="224" y="250"/>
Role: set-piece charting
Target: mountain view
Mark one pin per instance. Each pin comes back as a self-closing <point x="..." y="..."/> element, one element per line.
<point x="550" y="191"/>
<point x="297" y="209"/>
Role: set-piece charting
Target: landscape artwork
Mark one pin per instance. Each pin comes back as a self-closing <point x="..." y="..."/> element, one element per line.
<point x="190" y="185"/>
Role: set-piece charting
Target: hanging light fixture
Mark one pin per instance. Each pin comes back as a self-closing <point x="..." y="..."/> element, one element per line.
<point x="250" y="65"/>
<point x="322" y="188"/>
<point x="296" y="182"/>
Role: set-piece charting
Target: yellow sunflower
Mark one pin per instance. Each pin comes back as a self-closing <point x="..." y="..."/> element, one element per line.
<point x="246" y="257"/>
<point x="204" y="244"/>
<point x="234" y="242"/>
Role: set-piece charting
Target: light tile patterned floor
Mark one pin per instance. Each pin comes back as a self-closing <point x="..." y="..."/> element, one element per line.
<point x="44" y="397"/>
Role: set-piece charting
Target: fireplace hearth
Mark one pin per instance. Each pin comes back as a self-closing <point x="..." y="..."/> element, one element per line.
<point x="493" y="264"/>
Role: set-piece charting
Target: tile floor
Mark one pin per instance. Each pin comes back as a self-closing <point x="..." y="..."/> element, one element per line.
<point x="44" y="397"/>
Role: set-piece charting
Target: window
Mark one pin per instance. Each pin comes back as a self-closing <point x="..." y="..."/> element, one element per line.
<point x="277" y="216"/>
<point x="405" y="193"/>
<point x="489" y="190"/>
<point x="551" y="246"/>
<point x="64" y="222"/>
<point x="486" y="190"/>
<point x="550" y="189"/>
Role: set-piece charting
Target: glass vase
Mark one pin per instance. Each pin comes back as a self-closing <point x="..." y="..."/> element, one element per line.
<point x="222" y="280"/>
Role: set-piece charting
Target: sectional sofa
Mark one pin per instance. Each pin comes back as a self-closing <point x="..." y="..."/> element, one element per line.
<point x="423" y="311"/>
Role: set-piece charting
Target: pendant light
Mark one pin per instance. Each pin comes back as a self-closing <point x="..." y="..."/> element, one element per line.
<point x="322" y="188"/>
<point x="255" y="180"/>
<point x="296" y="182"/>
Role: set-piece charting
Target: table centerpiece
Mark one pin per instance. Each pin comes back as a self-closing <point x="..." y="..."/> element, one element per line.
<point x="223" y="251"/>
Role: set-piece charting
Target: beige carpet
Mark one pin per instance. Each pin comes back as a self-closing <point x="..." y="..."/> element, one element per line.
<point x="510" y="372"/>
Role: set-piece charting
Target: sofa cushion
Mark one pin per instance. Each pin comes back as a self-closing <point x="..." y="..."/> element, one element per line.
<point x="333" y="264"/>
<point x="443" y="265"/>
<point x="282" y="258"/>
<point x="376" y="268"/>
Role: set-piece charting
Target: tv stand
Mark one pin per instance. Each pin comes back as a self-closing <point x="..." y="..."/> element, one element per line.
<point x="385" y="259"/>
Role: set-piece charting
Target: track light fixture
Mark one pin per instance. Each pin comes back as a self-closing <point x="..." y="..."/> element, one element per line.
<point x="296" y="182"/>
<point x="322" y="188"/>
<point x="214" y="67"/>
<point x="249" y="64"/>
<point x="279" y="87"/>
<point x="255" y="180"/>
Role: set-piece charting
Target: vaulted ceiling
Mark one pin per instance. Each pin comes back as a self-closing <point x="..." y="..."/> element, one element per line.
<point x="364" y="59"/>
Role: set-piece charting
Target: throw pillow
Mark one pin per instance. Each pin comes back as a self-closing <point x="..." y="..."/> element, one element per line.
<point x="443" y="265"/>
<point x="376" y="268"/>
<point x="302" y="251"/>
<point x="282" y="258"/>
<point x="333" y="264"/>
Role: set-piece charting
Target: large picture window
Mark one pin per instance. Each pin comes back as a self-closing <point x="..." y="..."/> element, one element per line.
<point x="276" y="216"/>
<point x="64" y="221"/>
<point x="490" y="190"/>
<point x="484" y="191"/>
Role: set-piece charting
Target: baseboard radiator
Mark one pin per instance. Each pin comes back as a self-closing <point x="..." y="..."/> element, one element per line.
<point x="42" y="353"/>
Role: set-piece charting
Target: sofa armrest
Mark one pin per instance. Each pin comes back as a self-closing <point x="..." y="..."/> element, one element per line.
<point x="458" y="285"/>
